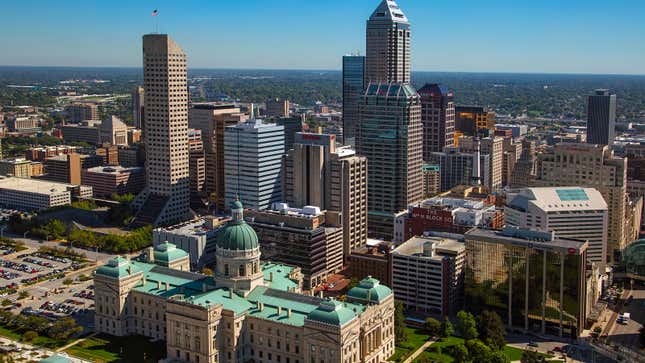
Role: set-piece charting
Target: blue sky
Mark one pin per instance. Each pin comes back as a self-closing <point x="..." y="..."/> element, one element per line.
<point x="560" y="36"/>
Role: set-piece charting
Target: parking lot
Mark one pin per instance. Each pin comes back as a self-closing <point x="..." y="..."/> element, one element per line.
<point x="23" y="268"/>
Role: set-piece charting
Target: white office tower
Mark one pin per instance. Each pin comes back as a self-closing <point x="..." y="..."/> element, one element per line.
<point x="166" y="198"/>
<point x="571" y="212"/>
<point x="253" y="163"/>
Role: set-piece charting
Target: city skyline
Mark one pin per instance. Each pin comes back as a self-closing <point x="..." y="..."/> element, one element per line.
<point x="94" y="34"/>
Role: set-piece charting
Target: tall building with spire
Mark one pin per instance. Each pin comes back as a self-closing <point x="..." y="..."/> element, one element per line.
<point x="388" y="45"/>
<point x="166" y="198"/>
<point x="389" y="132"/>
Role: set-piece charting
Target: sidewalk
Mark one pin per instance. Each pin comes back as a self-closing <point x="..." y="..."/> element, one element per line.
<point x="417" y="352"/>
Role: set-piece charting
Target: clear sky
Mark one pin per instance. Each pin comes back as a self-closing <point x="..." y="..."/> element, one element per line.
<point x="570" y="36"/>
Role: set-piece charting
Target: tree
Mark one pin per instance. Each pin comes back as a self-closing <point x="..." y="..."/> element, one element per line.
<point x="30" y="336"/>
<point x="478" y="351"/>
<point x="68" y="281"/>
<point x="499" y="357"/>
<point x="55" y="228"/>
<point x="400" y="334"/>
<point x="459" y="353"/>
<point x="6" y="302"/>
<point x="433" y="326"/>
<point x="466" y="325"/>
<point x="446" y="328"/>
<point x="491" y="330"/>
<point x="529" y="356"/>
<point x="207" y="271"/>
<point x="62" y="329"/>
<point x="23" y="295"/>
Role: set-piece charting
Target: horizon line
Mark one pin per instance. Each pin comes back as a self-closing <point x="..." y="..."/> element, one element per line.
<point x="328" y="70"/>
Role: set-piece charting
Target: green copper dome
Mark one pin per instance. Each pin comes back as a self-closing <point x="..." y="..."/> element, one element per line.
<point x="370" y="289"/>
<point x="332" y="312"/>
<point x="237" y="235"/>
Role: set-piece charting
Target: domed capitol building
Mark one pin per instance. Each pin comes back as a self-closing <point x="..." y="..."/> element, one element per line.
<point x="249" y="311"/>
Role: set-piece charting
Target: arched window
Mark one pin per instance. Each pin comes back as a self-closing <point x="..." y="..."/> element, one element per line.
<point x="197" y="344"/>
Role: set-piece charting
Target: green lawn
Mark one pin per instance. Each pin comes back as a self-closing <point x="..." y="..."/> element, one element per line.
<point x="516" y="354"/>
<point x="106" y="348"/>
<point x="437" y="351"/>
<point x="416" y="338"/>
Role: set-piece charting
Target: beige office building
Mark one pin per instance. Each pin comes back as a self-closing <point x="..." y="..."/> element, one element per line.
<point x="166" y="198"/>
<point x="591" y="166"/>
<point x="212" y="119"/>
<point x="316" y="172"/>
<point x="248" y="311"/>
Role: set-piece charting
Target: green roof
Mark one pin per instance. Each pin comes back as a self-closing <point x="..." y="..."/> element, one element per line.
<point x="237" y="236"/>
<point x="332" y="312"/>
<point x="370" y="289"/>
<point x="281" y="280"/>
<point x="118" y="267"/>
<point x="168" y="252"/>
<point x="55" y="359"/>
<point x="198" y="289"/>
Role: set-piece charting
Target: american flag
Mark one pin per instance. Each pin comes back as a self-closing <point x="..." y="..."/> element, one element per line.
<point x="155" y="12"/>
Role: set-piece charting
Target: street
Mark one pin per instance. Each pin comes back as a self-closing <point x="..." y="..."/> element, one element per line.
<point x="626" y="334"/>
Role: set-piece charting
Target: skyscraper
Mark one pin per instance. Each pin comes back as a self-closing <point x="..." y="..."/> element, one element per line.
<point x="438" y="118"/>
<point x="212" y="119"/>
<point x="390" y="135"/>
<point x="601" y="117"/>
<point x="388" y="45"/>
<point x="353" y="81"/>
<point x="252" y="163"/>
<point x="315" y="172"/>
<point x="166" y="198"/>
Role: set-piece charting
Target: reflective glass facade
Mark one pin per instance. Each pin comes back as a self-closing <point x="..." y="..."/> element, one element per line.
<point x="531" y="287"/>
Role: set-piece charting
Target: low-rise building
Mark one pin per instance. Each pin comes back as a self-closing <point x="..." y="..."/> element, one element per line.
<point x="427" y="274"/>
<point x="371" y="260"/>
<point x="197" y="237"/>
<point x="86" y="131"/>
<point x="42" y="153"/>
<point x="18" y="167"/>
<point x="449" y="213"/>
<point x="35" y="195"/>
<point x="106" y="180"/>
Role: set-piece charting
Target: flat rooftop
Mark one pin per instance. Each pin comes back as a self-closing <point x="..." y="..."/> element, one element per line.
<point x="34" y="185"/>
<point x="415" y="245"/>
<point x="194" y="227"/>
<point x="115" y="170"/>
<point x="563" y="245"/>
